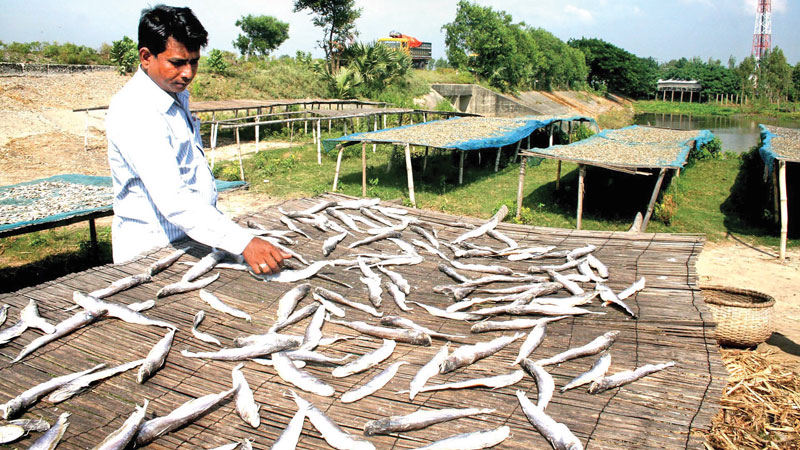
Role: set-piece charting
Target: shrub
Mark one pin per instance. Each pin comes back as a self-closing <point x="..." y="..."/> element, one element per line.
<point x="216" y="62"/>
<point x="227" y="172"/>
<point x="710" y="150"/>
<point x="125" y="55"/>
<point x="664" y="211"/>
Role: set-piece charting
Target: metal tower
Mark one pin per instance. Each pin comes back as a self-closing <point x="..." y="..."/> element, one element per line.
<point x="762" y="35"/>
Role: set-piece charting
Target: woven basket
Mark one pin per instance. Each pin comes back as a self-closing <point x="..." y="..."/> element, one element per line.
<point x="744" y="317"/>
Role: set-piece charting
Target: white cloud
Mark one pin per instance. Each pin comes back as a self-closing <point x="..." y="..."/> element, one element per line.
<point x="749" y="7"/>
<point x="584" y="15"/>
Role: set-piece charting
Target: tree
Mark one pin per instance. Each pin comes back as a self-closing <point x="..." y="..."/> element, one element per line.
<point x="337" y="20"/>
<point x="796" y="82"/>
<point x="262" y="34"/>
<point x="124" y="53"/>
<point x="620" y="71"/>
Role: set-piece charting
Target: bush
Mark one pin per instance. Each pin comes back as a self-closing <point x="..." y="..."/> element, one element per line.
<point x="216" y="62"/>
<point x="124" y="53"/>
<point x="665" y="210"/>
<point x="711" y="150"/>
<point x="227" y="172"/>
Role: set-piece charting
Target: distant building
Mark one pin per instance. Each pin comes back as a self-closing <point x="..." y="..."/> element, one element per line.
<point x="673" y="86"/>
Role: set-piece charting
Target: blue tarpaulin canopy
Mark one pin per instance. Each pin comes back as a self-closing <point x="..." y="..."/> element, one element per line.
<point x="778" y="143"/>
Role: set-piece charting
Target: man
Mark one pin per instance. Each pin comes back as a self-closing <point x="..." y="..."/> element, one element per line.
<point x="163" y="187"/>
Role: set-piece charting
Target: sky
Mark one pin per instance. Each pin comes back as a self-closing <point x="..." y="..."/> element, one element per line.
<point x="662" y="29"/>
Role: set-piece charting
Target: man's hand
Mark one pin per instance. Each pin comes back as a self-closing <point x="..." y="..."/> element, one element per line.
<point x="263" y="257"/>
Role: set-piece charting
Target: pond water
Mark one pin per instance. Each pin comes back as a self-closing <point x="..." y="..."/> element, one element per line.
<point x="738" y="134"/>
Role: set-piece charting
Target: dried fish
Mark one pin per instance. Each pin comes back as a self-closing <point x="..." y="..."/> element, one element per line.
<point x="375" y="217"/>
<point x="430" y="369"/>
<point x="372" y="385"/>
<point x="314" y="330"/>
<point x="594" y="347"/>
<point x="475" y="440"/>
<point x="632" y="289"/>
<point x="345" y="219"/>
<point x="205" y="337"/>
<point x="395" y="228"/>
<point x="63" y="328"/>
<point x="468" y="354"/>
<point x="290" y="276"/>
<point x="512" y="244"/>
<point x="544" y="382"/>
<point x="429" y="249"/>
<point x="296" y="316"/>
<point x="166" y="261"/>
<point x="182" y="286"/>
<point x="577" y="300"/>
<point x="266" y="338"/>
<point x="156" y="357"/>
<point x="397" y="279"/>
<point x="121" y="285"/>
<point x="494" y="382"/>
<point x="330" y="431"/>
<point x="50" y="440"/>
<point x="328" y="305"/>
<point x="447" y="270"/>
<point x="117" y="310"/>
<point x="317" y="358"/>
<point x="481" y="230"/>
<point x="247" y="352"/>
<point x="330" y="244"/>
<point x="368" y="360"/>
<point x="372" y="281"/>
<point x="29" y="425"/>
<point x="291" y="434"/>
<point x="595" y="263"/>
<point x="535" y="337"/>
<point x="627" y="376"/>
<point x="217" y="304"/>
<point x="10" y="433"/>
<point x="286" y="250"/>
<point x="557" y="268"/>
<point x="560" y="437"/>
<point x="184" y="414"/>
<point x="419" y="419"/>
<point x="358" y="204"/>
<point x="299" y="378"/>
<point x="369" y="240"/>
<point x="365" y="221"/>
<point x="597" y="371"/>
<point x="400" y="335"/>
<point x="579" y="252"/>
<point x="119" y="439"/>
<point x="292" y="226"/>
<point x="482" y="268"/>
<point x="335" y="297"/>
<point x="586" y="270"/>
<point x="290" y="299"/>
<point x="424" y="233"/>
<point x="513" y="324"/>
<point x="402" y="322"/>
<point x="3" y="313"/>
<point x="397" y="295"/>
<point x="541" y="310"/>
<point x="18" y="404"/>
<point x="246" y="406"/>
<point x="204" y="265"/>
<point x="79" y="385"/>
<point x="407" y="248"/>
<point x="142" y="306"/>
<point x="608" y="296"/>
<point x="566" y="282"/>
<point x="434" y="311"/>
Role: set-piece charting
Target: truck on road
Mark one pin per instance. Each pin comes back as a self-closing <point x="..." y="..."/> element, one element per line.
<point x="420" y="52"/>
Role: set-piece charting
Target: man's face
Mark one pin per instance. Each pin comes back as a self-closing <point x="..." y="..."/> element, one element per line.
<point x="173" y="69"/>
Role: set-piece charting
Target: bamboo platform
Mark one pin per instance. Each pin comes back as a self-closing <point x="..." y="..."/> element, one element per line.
<point x="664" y="410"/>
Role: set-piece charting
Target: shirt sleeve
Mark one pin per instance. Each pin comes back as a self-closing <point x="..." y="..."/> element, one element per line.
<point x="151" y="149"/>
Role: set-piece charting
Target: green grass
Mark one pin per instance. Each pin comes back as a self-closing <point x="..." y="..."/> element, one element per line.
<point x="784" y="110"/>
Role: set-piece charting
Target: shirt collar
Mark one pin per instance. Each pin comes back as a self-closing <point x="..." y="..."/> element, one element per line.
<point x="160" y="99"/>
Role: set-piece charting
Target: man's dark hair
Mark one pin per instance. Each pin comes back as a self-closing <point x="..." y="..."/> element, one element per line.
<point x="160" y="22"/>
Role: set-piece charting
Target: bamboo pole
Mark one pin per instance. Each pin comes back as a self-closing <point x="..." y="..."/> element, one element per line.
<point x="461" y="167"/>
<point x="776" y="196"/>
<point x="521" y="185"/>
<point x="338" y="166"/>
<point x="374" y="128"/>
<point x="86" y="133"/>
<point x="391" y="157"/>
<point x="239" y="150"/>
<point x="497" y="160"/>
<point x="558" y="175"/>
<point x="425" y="160"/>
<point x="784" y="208"/>
<point x="291" y="134"/>
<point x="410" y="176"/>
<point x="581" y="177"/>
<point x="653" y="198"/>
<point x="319" y="141"/>
<point x="363" y="169"/>
<point x="213" y="143"/>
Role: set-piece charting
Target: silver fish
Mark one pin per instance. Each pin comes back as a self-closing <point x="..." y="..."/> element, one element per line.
<point x="597" y="265"/>
<point x="594" y="347"/>
<point x="424" y="233"/>
<point x="403" y="260"/>
<point x="481" y="230"/>
<point x="474" y="253"/>
<point x="121" y="285"/>
<point x="475" y="440"/>
<point x="419" y="419"/>
<point x="3" y="313"/>
<point x="63" y="328"/>
<point x="330" y="244"/>
<point x="503" y="238"/>
<point x="597" y="371"/>
<point x="387" y="210"/>
<point x="525" y="250"/>
<point x="374" y="287"/>
<point x="184" y="414"/>
<point x="142" y="306"/>
<point x="338" y="298"/>
<point x="220" y="306"/>
<point x="30" y="425"/>
<point x="586" y="270"/>
<point x="428" y="248"/>
<point x="513" y="324"/>
<point x="315" y="357"/>
<point x="291" y="276"/>
<point x="28" y="318"/>
<point x="468" y="354"/>
<point x="182" y="286"/>
<point x="246" y="406"/>
<point x="577" y="300"/>
<point x="318" y="222"/>
<point x="345" y="219"/>
<point x="372" y="385"/>
<point x="296" y="316"/>
<point x="81" y="384"/>
<point x="369" y="240"/>
<point x="579" y="252"/>
<point x="330" y="431"/>
<point x="404" y="246"/>
<point x="365" y="221"/>
<point x="375" y="217"/>
<point x="447" y="270"/>
<point x="402" y="322"/>
<point x="291" y="434"/>
<point x="247" y="352"/>
<point x="544" y="382"/>
<point x="580" y="277"/>
<point x="247" y="444"/>
<point x="627" y="376"/>
<point x="50" y="440"/>
<point x="286" y="250"/>
<point x="482" y="268"/>
<point x="566" y="282"/>
<point x="204" y="265"/>
<point x="314" y="330"/>
<point x="166" y="261"/>
<point x="323" y="205"/>
<point x="430" y="369"/>
<point x="119" y="439"/>
<point x="205" y="337"/>
<point x="270" y="363"/>
<point x="397" y="295"/>
<point x="10" y="433"/>
<point x="117" y="310"/>
<point x="494" y="382"/>
<point x="299" y="378"/>
<point x="368" y="360"/>
<point x="292" y="226"/>
<point x="400" y="335"/>
<point x="155" y="358"/>
<point x="328" y="305"/>
<point x="560" y="437"/>
<point x="434" y="311"/>
<point x="537" y="279"/>
<point x="542" y="310"/>
<point x="609" y="296"/>
<point x="535" y="337"/>
<point x="358" y="204"/>
<point x="16" y="405"/>
<point x="632" y="289"/>
<point x="266" y="338"/>
<point x="397" y="279"/>
<point x="557" y="268"/>
<point x="289" y="301"/>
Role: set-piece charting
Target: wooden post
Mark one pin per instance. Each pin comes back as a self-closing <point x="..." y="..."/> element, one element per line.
<point x="516" y="150"/>
<point x="551" y="136"/>
<point x="410" y="176"/>
<point x="374" y="128"/>
<point x="425" y="161"/>
<point x="86" y="134"/>
<point x="558" y="175"/>
<point x="291" y="133"/>
<point x="691" y="94"/>
<point x="521" y="184"/>
<point x="653" y="198"/>
<point x="338" y="166"/>
<point x="581" y="177"/>
<point x="239" y="150"/>
<point x="319" y="141"/>
<point x="497" y="160"/>
<point x="383" y="118"/>
<point x="257" y="137"/>
<point x="784" y="208"/>
<point x="329" y="125"/>
<point x="93" y="236"/>
<point x="776" y="196"/>
<point x="461" y="167"/>
<point x="363" y="169"/>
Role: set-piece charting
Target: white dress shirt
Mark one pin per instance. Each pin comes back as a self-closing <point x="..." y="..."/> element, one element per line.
<point x="163" y="187"/>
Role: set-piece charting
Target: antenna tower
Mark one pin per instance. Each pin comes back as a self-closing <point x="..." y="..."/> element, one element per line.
<point x="762" y="35"/>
